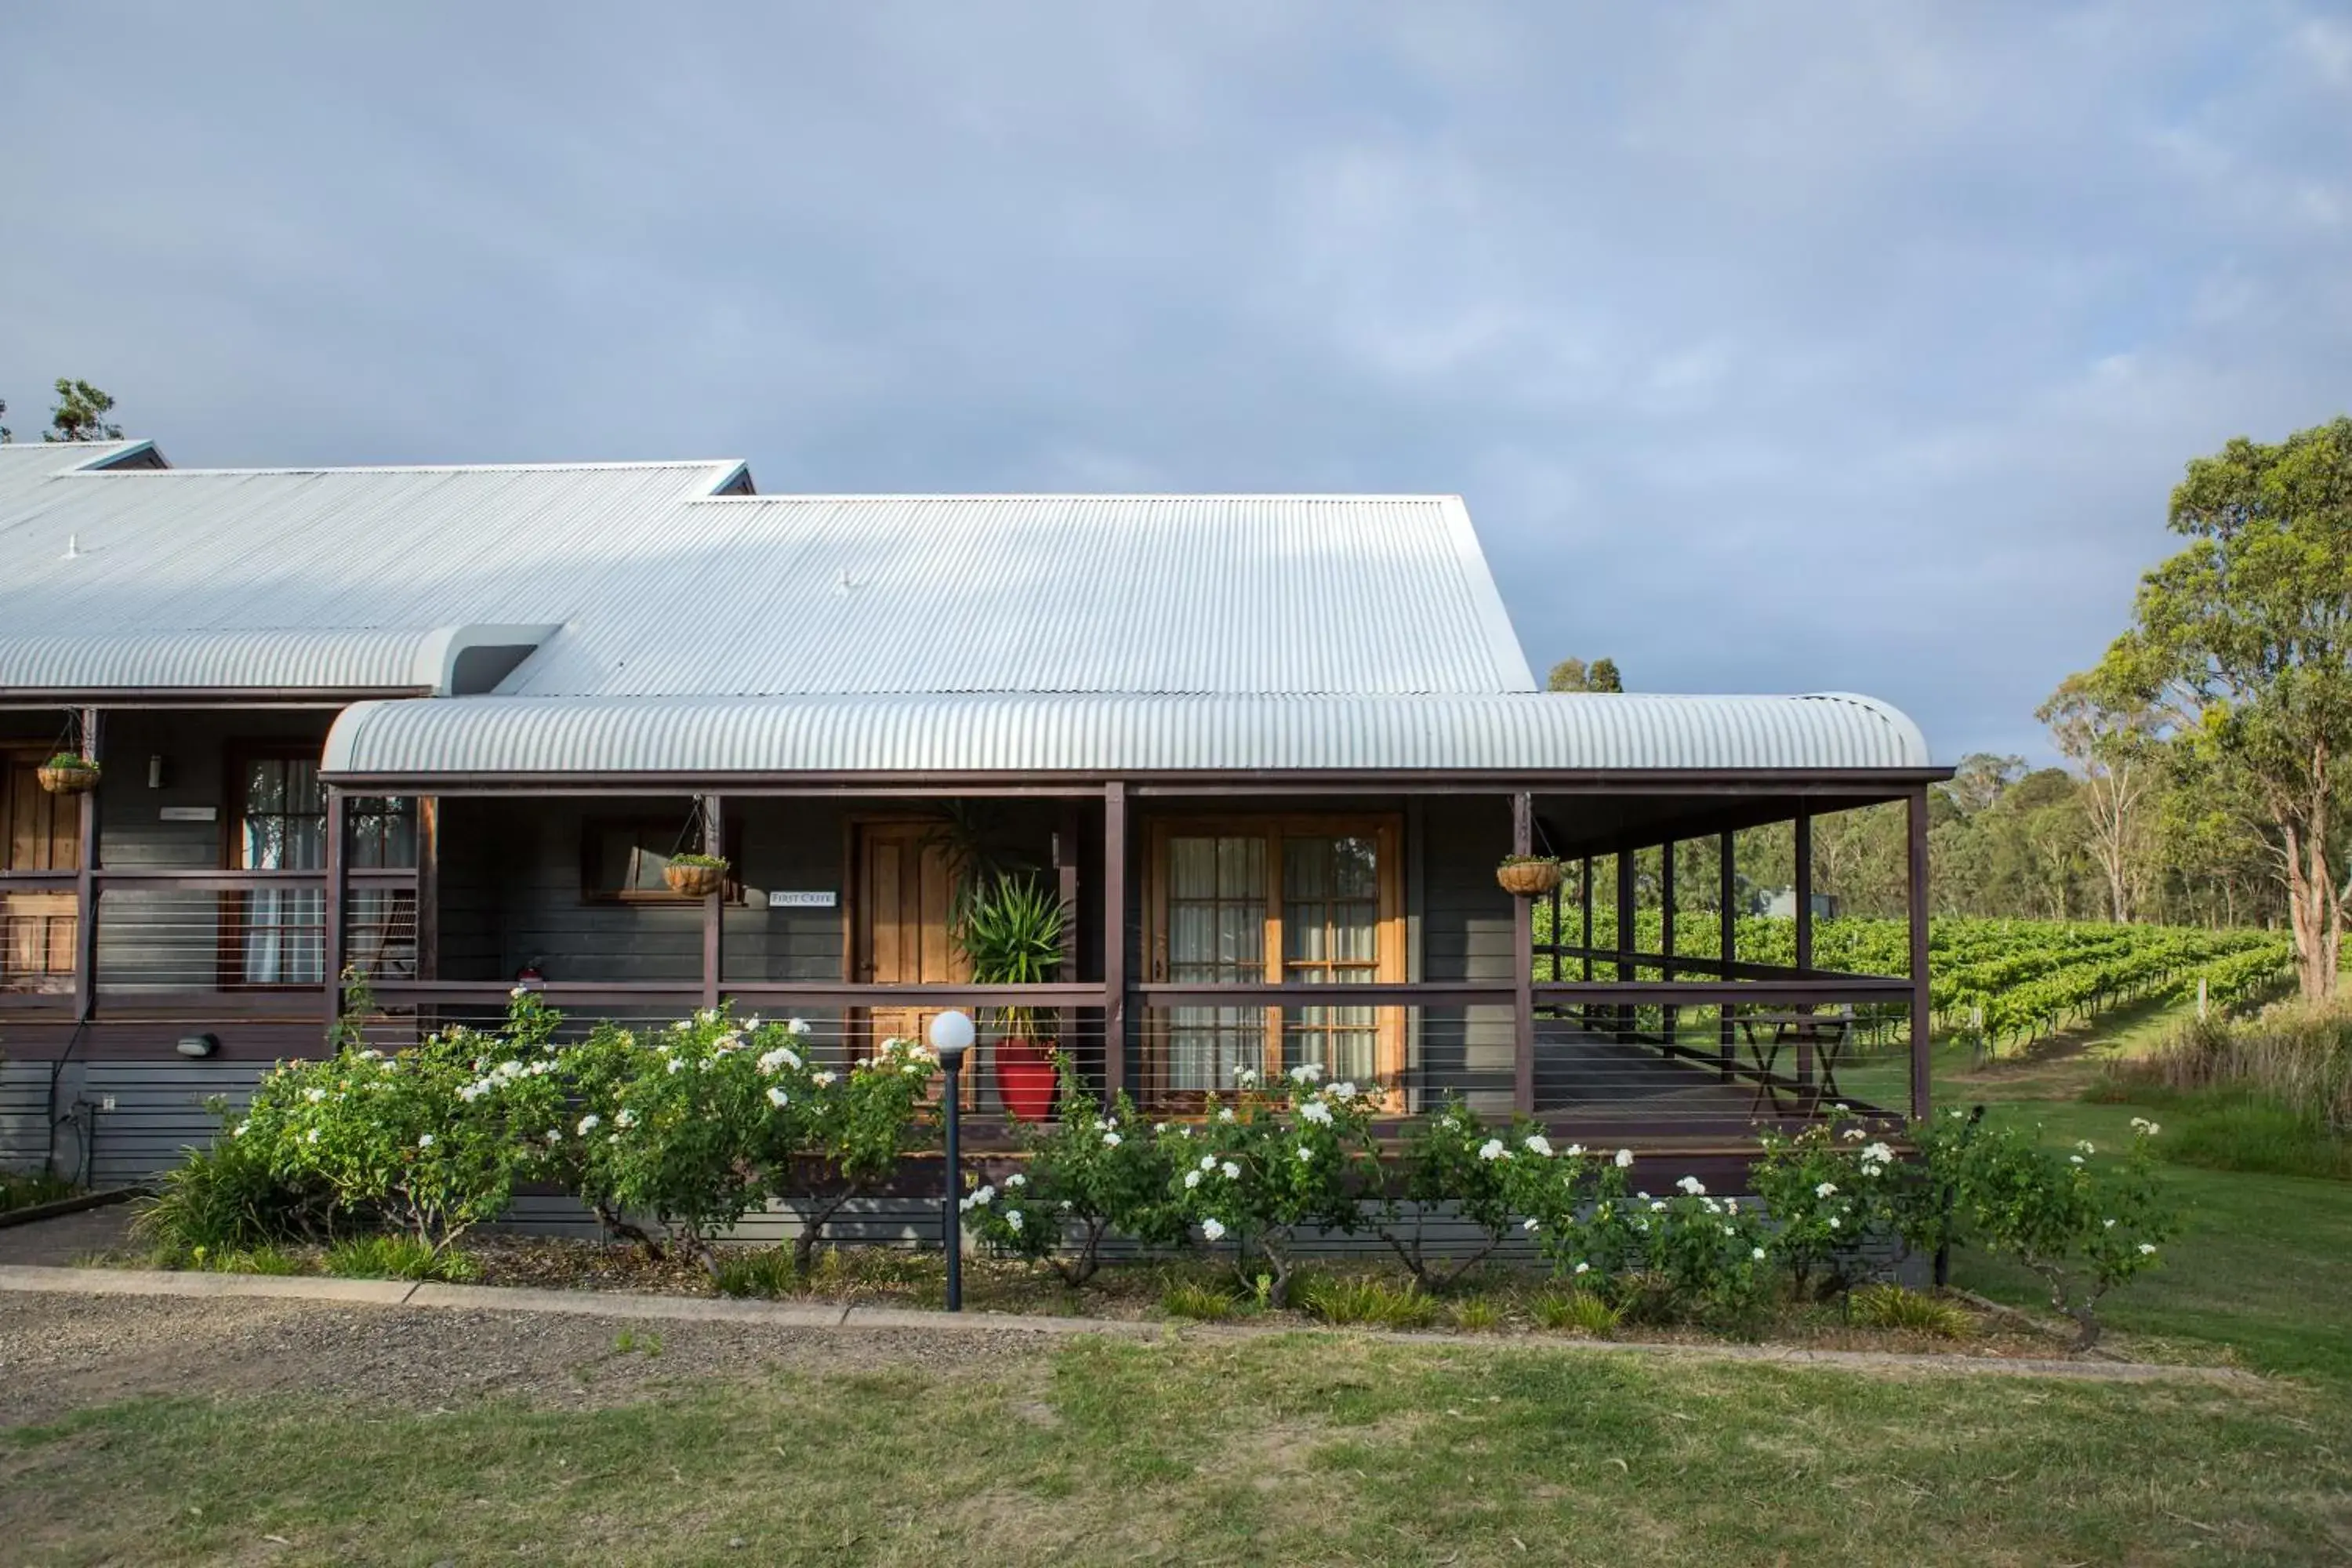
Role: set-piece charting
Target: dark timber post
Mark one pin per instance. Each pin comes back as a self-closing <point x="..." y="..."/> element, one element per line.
<point x="1523" y="965"/>
<point x="1922" y="1018"/>
<point x="1669" y="1014"/>
<point x="1805" y="896"/>
<point x="338" y="895"/>
<point x="1727" y="944"/>
<point x="1626" y="971"/>
<point x="427" y="924"/>
<point x="1114" y="939"/>
<point x="714" y="903"/>
<point x="86" y="883"/>
<point x="1584" y="897"/>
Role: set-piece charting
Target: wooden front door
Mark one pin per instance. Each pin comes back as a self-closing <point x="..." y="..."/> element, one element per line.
<point x="38" y="832"/>
<point x="902" y="930"/>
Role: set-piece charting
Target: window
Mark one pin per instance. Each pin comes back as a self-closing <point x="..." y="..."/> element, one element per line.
<point x="1299" y="901"/>
<point x="621" y="858"/>
<point x="277" y="936"/>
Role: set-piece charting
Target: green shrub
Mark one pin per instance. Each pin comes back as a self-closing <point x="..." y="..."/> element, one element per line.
<point x="1202" y="1303"/>
<point x="2085" y="1226"/>
<point x="1913" y="1312"/>
<point x="1355" y="1298"/>
<point x="1579" y="1312"/>
<point x="1454" y="1158"/>
<point x="1478" y="1314"/>
<point x="252" y="1260"/>
<point x="2296" y="1056"/>
<point x="396" y="1257"/>
<point x="1833" y="1193"/>
<point x="223" y="1200"/>
<point x="855" y="1131"/>
<point x="1276" y="1160"/>
<point x="1088" y="1174"/>
<point x="757" y="1271"/>
<point x="24" y="1189"/>
<point x="430" y="1139"/>
<point x="686" y="1125"/>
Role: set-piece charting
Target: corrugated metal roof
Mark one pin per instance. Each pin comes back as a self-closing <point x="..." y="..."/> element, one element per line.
<point x="420" y="660"/>
<point x="662" y="587"/>
<point x="1099" y="734"/>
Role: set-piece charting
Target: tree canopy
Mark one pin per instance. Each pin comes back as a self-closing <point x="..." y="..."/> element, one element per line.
<point x="1575" y="674"/>
<point x="79" y="413"/>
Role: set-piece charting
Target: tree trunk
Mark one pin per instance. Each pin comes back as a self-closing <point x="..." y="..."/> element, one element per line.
<point x="2314" y="913"/>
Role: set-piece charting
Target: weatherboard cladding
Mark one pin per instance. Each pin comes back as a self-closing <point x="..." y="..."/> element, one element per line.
<point x="1108" y="734"/>
<point x="662" y="587"/>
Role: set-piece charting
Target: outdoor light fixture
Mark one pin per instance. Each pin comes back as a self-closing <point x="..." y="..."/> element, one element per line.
<point x="951" y="1036"/>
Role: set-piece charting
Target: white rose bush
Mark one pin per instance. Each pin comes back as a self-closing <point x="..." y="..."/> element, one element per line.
<point x="1085" y="1174"/>
<point x="1292" y="1156"/>
<point x="673" y="1134"/>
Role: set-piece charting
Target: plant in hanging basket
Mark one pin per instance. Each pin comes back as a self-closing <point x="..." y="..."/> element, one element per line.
<point x="1527" y="876"/>
<point x="695" y="876"/>
<point x="68" y="772"/>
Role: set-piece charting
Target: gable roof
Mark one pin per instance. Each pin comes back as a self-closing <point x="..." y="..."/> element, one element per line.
<point x="658" y="585"/>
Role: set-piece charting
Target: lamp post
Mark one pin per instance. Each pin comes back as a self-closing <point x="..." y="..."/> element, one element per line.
<point x="952" y="1035"/>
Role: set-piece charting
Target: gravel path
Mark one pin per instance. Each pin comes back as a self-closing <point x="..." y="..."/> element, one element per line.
<point x="64" y="1352"/>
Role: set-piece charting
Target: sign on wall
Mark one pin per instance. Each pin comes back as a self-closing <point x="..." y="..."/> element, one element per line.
<point x="810" y="900"/>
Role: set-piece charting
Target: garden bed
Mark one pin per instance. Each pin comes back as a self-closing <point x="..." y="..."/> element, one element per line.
<point x="1492" y="1302"/>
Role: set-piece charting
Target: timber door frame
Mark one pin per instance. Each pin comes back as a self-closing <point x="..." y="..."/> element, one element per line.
<point x="859" y="830"/>
<point x="1385" y="828"/>
<point x="61" y="901"/>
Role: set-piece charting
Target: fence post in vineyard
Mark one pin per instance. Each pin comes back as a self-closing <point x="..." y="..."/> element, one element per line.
<point x="2201" y="999"/>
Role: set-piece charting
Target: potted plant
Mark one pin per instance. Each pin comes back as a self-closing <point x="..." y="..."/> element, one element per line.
<point x="1527" y="876"/>
<point x="1011" y="933"/>
<point x="695" y="876"/>
<point x="68" y="772"/>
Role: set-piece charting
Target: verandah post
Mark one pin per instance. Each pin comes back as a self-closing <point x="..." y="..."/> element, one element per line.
<point x="1523" y="969"/>
<point x="1922" y="1018"/>
<point x="338" y="885"/>
<point x="1670" y="1015"/>
<point x="1114" y="938"/>
<point x="714" y="903"/>
<point x="86" y="883"/>
<point x="1727" y="944"/>
<point x="1804" y="897"/>
<point x="1627" y="865"/>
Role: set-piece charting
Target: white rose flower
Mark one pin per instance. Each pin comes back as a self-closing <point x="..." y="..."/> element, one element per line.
<point x="778" y="1098"/>
<point x="1314" y="1110"/>
<point x="1213" y="1230"/>
<point x="1584" y="1269"/>
<point x="1013" y="1220"/>
<point x="624" y="1117"/>
<point x="1530" y="1222"/>
<point x="1016" y="1180"/>
<point x="1826" y="1190"/>
<point x="797" y="1027"/>
<point x="1537" y="1144"/>
<point x="821" y="1080"/>
<point x="1110" y="1140"/>
<point x="1191" y="1178"/>
<point x="1492" y="1149"/>
<point x="1757" y="1254"/>
<point x="1625" y="1158"/>
<point x="1305" y="1153"/>
<point x="1208" y="1162"/>
<point x="425" y="1140"/>
<point x="2148" y="1249"/>
<point x="1693" y="1185"/>
<point x="589" y="1123"/>
<point x="1224" y="1113"/>
<point x="1232" y="1173"/>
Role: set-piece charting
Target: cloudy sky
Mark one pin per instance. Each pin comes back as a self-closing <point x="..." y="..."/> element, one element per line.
<point x="1775" y="347"/>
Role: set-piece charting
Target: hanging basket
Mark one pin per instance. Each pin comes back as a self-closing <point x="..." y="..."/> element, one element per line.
<point x="695" y="879"/>
<point x="68" y="775"/>
<point x="1527" y="878"/>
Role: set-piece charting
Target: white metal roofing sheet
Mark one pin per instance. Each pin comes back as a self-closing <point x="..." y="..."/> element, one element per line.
<point x="662" y="587"/>
<point x="1091" y="734"/>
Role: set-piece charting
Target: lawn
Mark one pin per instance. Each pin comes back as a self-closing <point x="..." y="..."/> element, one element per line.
<point x="1288" y="1448"/>
<point x="1310" y="1448"/>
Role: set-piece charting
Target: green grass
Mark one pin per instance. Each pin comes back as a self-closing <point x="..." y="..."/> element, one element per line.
<point x="1289" y="1449"/>
<point x="395" y="1257"/>
<point x="2262" y="1268"/>
<point x="24" y="1189"/>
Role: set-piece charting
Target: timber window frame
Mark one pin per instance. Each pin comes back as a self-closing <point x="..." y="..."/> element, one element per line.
<point x="1281" y="1032"/>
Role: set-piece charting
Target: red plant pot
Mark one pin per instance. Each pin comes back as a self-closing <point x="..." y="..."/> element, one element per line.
<point x="1025" y="1079"/>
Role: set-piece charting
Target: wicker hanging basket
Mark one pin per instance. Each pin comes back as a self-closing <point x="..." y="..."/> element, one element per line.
<point x="1527" y="878"/>
<point x="694" y="880"/>
<point x="68" y="778"/>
